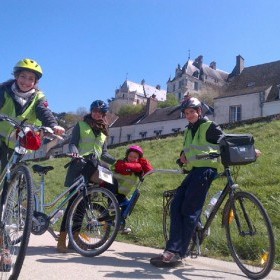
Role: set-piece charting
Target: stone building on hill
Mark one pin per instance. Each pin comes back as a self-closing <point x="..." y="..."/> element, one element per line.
<point x="131" y="93"/>
<point x="252" y="92"/>
<point x="195" y="77"/>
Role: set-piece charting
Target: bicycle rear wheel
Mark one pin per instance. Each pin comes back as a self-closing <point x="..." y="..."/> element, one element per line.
<point x="249" y="235"/>
<point x="16" y="222"/>
<point x="93" y="221"/>
<point x="167" y="199"/>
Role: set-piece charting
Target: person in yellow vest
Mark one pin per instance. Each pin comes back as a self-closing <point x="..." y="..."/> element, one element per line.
<point x="201" y="136"/>
<point x="88" y="139"/>
<point x="21" y="99"/>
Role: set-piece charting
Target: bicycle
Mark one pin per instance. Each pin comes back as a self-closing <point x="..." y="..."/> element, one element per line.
<point x="94" y="217"/>
<point x="16" y="192"/>
<point x="249" y="233"/>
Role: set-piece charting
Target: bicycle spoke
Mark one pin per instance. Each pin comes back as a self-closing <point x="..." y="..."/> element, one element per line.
<point x="16" y="223"/>
<point x="93" y="222"/>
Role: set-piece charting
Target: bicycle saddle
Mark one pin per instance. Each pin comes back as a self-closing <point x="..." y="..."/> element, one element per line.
<point x="41" y="169"/>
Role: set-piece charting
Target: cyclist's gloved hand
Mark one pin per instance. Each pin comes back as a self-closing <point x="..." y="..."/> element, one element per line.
<point x="59" y="130"/>
<point x="75" y="155"/>
<point x="178" y="161"/>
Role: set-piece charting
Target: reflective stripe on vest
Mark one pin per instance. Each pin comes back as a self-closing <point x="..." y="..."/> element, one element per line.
<point x="198" y="145"/>
<point x="9" y="109"/>
<point x="126" y="182"/>
<point x="89" y="143"/>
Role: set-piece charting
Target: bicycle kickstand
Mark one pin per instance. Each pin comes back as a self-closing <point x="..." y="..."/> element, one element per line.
<point x="195" y="249"/>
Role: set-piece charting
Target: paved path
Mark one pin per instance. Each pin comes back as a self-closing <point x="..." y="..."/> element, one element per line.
<point x="120" y="261"/>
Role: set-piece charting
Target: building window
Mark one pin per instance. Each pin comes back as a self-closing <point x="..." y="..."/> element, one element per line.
<point x="112" y="140"/>
<point x="176" y="130"/>
<point x="234" y="113"/>
<point x="157" y="132"/>
<point x="180" y="84"/>
<point x="179" y="96"/>
<point x="174" y="87"/>
<point x="195" y="86"/>
<point x="143" y="134"/>
<point x="128" y="137"/>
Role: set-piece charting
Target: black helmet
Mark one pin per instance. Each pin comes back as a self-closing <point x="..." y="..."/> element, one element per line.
<point x="191" y="103"/>
<point x="99" y="104"/>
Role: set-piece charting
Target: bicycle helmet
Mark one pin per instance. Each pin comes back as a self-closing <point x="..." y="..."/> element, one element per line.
<point x="30" y="65"/>
<point x="191" y="103"/>
<point x="136" y="149"/>
<point x="99" y="104"/>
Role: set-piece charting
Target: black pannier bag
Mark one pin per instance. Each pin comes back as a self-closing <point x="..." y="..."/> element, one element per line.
<point x="237" y="149"/>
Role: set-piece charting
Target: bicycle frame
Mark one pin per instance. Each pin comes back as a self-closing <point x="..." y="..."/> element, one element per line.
<point x="41" y="205"/>
<point x="228" y="190"/>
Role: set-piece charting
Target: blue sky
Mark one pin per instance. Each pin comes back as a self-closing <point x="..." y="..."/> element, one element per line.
<point x="87" y="48"/>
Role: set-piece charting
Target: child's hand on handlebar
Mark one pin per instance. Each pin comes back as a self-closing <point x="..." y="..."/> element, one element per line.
<point x="75" y="155"/>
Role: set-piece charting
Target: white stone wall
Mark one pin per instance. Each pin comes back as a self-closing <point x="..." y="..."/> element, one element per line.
<point x="271" y="108"/>
<point x="250" y="107"/>
<point x="120" y="133"/>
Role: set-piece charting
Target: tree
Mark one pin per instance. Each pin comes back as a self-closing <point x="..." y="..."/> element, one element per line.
<point x="170" y="101"/>
<point x="131" y="109"/>
<point x="82" y="111"/>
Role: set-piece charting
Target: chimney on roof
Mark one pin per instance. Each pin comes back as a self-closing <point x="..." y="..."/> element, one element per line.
<point x="239" y="64"/>
<point x="143" y="82"/>
<point x="198" y="62"/>
<point x="158" y="87"/>
<point x="151" y="105"/>
<point x="213" y="65"/>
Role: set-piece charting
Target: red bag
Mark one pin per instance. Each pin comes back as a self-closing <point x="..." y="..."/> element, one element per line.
<point x="30" y="140"/>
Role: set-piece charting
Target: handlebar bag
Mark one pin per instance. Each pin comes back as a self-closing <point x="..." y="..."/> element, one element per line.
<point x="30" y="140"/>
<point x="237" y="149"/>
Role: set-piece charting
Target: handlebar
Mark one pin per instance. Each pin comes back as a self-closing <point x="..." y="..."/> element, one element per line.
<point x="208" y="156"/>
<point x="47" y="131"/>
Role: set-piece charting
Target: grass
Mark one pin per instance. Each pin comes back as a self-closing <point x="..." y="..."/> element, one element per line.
<point x="261" y="178"/>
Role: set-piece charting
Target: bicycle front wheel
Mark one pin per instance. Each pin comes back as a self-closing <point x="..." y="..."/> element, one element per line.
<point x="93" y="221"/>
<point x="249" y="235"/>
<point x="16" y="222"/>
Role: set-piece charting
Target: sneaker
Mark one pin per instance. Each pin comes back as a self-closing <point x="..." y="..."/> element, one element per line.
<point x="125" y="230"/>
<point x="167" y="259"/>
<point x="5" y="260"/>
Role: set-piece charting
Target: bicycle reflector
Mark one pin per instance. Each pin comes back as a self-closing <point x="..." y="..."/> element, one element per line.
<point x="29" y="139"/>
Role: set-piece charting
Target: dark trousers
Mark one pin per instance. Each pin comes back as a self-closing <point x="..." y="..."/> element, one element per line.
<point x="75" y="169"/>
<point x="186" y="208"/>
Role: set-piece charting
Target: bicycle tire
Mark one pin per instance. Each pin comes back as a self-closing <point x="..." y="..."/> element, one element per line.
<point x="93" y="223"/>
<point x="167" y="199"/>
<point x="253" y="249"/>
<point x="16" y="221"/>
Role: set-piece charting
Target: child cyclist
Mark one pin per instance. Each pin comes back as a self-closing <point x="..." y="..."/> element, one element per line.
<point x="127" y="173"/>
<point x="21" y="99"/>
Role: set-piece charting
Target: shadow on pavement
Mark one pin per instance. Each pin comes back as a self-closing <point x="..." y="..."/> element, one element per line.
<point x="137" y="260"/>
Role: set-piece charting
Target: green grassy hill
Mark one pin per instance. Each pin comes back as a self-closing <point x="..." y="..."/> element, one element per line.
<point x="261" y="178"/>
